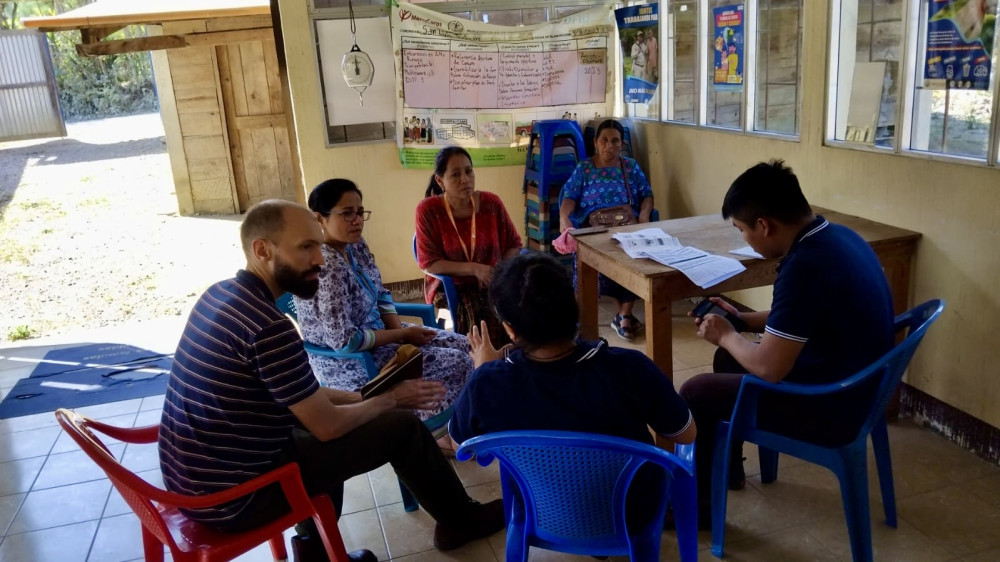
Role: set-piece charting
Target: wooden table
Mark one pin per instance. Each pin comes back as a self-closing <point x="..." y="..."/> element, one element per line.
<point x="660" y="285"/>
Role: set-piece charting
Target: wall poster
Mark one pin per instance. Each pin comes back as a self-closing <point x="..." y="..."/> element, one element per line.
<point x="959" y="44"/>
<point x="638" y="32"/>
<point x="480" y="86"/>
<point x="728" y="25"/>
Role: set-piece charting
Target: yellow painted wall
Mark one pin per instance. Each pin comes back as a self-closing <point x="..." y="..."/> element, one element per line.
<point x="956" y="207"/>
<point x="391" y="192"/>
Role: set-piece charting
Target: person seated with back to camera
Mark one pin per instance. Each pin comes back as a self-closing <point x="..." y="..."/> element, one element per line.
<point x="831" y="316"/>
<point x="551" y="380"/>
<point x="463" y="233"/>
<point x="353" y="311"/>
<point x="608" y="179"/>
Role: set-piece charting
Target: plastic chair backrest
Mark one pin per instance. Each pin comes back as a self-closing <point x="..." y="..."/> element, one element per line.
<point x="573" y="485"/>
<point x="135" y="491"/>
<point x="915" y="322"/>
<point x="286" y="304"/>
<point x="549" y="160"/>
<point x="447" y="285"/>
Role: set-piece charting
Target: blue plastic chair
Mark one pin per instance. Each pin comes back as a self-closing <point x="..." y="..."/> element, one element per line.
<point x="425" y="312"/>
<point x="549" y="162"/>
<point x="848" y="462"/>
<point x="447" y="283"/>
<point x="566" y="491"/>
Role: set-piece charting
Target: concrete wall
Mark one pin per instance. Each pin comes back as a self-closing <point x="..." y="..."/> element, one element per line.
<point x="954" y="206"/>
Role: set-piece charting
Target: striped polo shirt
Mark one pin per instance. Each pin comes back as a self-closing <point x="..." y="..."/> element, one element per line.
<point x="239" y="365"/>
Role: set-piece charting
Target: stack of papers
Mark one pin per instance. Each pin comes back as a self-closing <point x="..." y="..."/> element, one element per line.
<point x="702" y="268"/>
<point x="636" y="243"/>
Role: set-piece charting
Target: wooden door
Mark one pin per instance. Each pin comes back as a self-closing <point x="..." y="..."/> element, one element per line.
<point x="255" y="117"/>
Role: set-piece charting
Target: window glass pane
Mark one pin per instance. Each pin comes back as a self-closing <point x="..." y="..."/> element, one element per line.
<point x="680" y="59"/>
<point x="779" y="62"/>
<point x="501" y="17"/>
<point x="568" y="11"/>
<point x="954" y="121"/>
<point x="725" y="102"/>
<point x="867" y="50"/>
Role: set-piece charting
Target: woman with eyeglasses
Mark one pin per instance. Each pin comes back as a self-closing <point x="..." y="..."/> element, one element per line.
<point x="353" y="311"/>
<point x="463" y="233"/>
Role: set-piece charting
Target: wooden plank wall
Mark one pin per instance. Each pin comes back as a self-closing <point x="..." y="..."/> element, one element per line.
<point x="233" y="132"/>
<point x="255" y="117"/>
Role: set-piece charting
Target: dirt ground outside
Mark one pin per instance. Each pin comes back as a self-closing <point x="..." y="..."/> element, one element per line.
<point x="90" y="235"/>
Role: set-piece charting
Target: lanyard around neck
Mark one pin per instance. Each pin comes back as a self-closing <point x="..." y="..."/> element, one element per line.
<point x="472" y="241"/>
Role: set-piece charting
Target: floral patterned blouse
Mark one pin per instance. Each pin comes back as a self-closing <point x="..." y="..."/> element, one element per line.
<point x="349" y="305"/>
<point x="596" y="188"/>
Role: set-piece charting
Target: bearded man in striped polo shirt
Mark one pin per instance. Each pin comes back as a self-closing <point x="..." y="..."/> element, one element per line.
<point x="242" y="400"/>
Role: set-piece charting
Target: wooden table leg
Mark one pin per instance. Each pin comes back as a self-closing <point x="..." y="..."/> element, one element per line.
<point x="659" y="334"/>
<point x="897" y="273"/>
<point x="586" y="280"/>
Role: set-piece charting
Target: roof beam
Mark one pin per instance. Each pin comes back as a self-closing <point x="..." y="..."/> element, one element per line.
<point x="159" y="42"/>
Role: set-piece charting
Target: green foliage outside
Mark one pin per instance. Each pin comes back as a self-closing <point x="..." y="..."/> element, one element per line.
<point x="90" y="87"/>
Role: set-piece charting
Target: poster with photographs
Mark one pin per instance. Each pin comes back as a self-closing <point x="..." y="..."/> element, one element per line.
<point x="638" y="31"/>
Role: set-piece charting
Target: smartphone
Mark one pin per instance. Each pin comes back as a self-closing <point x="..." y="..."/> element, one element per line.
<point x="708" y="307"/>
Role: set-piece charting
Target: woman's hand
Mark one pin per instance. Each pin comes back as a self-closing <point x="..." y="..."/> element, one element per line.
<point x="483" y="273"/>
<point x="482" y="348"/>
<point x="418" y="394"/>
<point x="418" y="335"/>
<point x="564" y="224"/>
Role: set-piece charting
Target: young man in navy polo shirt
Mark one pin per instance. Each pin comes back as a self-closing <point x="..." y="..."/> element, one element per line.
<point x="831" y="315"/>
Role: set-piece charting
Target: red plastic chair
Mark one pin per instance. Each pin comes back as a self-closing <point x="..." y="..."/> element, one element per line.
<point x="164" y="524"/>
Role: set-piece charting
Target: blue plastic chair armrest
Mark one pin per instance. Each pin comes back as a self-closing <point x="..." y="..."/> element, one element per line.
<point x="654" y="216"/>
<point x="423" y="311"/>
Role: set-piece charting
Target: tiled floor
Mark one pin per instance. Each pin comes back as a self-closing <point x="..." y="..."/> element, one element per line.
<point x="56" y="506"/>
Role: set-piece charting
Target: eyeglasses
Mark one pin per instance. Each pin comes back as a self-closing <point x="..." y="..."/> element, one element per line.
<point x="350" y="214"/>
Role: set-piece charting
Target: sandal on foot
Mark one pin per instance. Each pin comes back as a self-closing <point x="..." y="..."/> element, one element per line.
<point x="636" y="326"/>
<point x="624" y="332"/>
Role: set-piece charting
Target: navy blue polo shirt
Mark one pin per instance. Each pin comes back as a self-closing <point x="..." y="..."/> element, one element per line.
<point x="832" y="295"/>
<point x="238" y="367"/>
<point x="596" y="389"/>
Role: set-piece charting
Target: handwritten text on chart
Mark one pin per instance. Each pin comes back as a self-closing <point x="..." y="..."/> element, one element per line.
<point x="507" y="80"/>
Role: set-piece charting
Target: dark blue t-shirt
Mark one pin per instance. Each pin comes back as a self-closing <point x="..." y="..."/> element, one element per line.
<point x="596" y="389"/>
<point x="832" y="295"/>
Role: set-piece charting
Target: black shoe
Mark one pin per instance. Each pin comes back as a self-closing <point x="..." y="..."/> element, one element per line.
<point x="309" y="549"/>
<point x="482" y="520"/>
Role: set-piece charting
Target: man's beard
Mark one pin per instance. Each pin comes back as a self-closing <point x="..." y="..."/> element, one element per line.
<point x="295" y="282"/>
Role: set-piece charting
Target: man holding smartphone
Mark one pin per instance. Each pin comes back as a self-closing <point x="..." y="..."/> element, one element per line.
<point x="831" y="316"/>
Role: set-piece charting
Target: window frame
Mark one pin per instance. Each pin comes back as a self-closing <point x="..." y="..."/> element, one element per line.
<point x="907" y="76"/>
<point x="748" y="109"/>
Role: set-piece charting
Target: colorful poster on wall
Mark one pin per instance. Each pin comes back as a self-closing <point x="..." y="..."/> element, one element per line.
<point x="638" y="32"/>
<point x="480" y="86"/>
<point x="728" y="47"/>
<point x="959" y="44"/>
